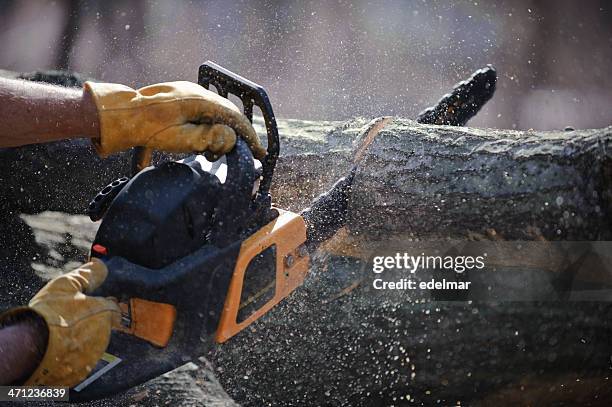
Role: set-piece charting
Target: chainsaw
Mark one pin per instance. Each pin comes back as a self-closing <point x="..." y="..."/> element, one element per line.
<point x="196" y="251"/>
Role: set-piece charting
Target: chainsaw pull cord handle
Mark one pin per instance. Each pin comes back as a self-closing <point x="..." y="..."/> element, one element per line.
<point x="250" y="94"/>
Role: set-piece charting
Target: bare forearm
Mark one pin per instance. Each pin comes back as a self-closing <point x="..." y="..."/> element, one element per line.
<point x="21" y="348"/>
<point x="36" y="113"/>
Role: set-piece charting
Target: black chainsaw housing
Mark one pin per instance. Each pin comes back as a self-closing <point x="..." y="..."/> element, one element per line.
<point x="168" y="211"/>
<point x="172" y="235"/>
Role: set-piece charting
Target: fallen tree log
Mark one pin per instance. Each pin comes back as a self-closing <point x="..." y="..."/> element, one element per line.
<point x="439" y="181"/>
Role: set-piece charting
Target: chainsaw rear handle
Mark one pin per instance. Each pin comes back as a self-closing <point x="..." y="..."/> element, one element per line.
<point x="251" y="94"/>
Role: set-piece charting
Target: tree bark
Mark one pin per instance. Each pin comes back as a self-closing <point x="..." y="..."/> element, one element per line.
<point x="439" y="181"/>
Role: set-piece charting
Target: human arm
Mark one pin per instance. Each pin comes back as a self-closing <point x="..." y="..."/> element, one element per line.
<point x="22" y="345"/>
<point x="174" y="116"/>
<point x="32" y="112"/>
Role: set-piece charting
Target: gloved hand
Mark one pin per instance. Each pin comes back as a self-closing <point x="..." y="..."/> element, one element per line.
<point x="173" y="117"/>
<point x="79" y="326"/>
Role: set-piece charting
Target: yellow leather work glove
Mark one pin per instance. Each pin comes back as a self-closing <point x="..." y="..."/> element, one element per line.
<point x="79" y="325"/>
<point x="173" y="117"/>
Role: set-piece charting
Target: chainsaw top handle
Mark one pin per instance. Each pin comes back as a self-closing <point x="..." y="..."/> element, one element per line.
<point x="251" y="94"/>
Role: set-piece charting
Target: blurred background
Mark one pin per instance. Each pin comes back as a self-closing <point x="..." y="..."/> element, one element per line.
<point x="338" y="59"/>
